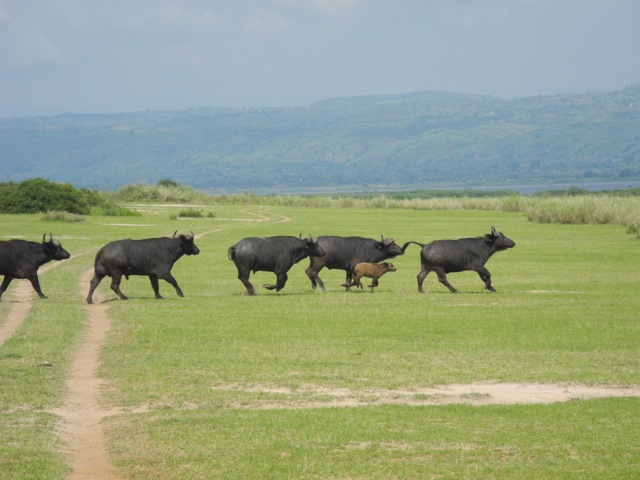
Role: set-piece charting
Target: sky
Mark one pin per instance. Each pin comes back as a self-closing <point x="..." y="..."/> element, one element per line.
<point x="111" y="56"/>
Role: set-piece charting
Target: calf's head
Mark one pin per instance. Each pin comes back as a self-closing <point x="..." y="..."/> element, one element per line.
<point x="389" y="267"/>
<point x="53" y="249"/>
<point x="499" y="241"/>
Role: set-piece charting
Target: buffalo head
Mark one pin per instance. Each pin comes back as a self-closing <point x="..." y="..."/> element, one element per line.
<point x="186" y="243"/>
<point x="53" y="248"/>
<point x="314" y="248"/>
<point x="499" y="241"/>
<point x="389" y="246"/>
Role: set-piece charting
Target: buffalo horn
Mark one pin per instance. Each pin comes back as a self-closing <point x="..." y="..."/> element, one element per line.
<point x="387" y="241"/>
<point x="189" y="237"/>
<point x="174" y="234"/>
<point x="44" y="238"/>
<point x="493" y="231"/>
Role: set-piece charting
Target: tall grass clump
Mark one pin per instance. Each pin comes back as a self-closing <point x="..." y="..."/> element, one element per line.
<point x="114" y="211"/>
<point x="62" y="217"/>
<point x="160" y="192"/>
<point x="585" y="209"/>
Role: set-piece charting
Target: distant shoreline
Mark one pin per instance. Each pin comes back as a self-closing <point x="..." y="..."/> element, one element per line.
<point x="592" y="187"/>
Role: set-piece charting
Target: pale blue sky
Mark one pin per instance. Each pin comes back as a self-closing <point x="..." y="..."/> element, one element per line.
<point x="104" y="56"/>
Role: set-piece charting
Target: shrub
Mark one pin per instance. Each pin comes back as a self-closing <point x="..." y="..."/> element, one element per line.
<point x="194" y="213"/>
<point x="40" y="195"/>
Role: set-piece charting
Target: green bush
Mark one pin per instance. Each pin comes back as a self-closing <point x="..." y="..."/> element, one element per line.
<point x="38" y="195"/>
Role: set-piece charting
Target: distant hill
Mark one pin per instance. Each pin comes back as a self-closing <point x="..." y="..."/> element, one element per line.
<point x="416" y="140"/>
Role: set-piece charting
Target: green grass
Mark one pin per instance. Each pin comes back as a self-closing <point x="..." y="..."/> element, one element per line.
<point x="210" y="363"/>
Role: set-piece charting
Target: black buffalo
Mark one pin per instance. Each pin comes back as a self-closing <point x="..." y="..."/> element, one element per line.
<point x="21" y="259"/>
<point x="153" y="257"/>
<point x="271" y="254"/>
<point x="344" y="253"/>
<point x="448" y="256"/>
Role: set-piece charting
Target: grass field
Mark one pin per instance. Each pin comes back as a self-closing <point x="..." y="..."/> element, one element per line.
<point x="220" y="385"/>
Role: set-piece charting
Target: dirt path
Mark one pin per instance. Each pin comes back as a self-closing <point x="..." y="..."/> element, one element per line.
<point x="80" y="414"/>
<point x="20" y="294"/>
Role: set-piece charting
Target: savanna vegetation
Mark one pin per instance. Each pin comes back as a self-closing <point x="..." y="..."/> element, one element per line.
<point x="222" y="385"/>
<point x="571" y="206"/>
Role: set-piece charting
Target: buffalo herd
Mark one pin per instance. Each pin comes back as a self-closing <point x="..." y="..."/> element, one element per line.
<point x="357" y="256"/>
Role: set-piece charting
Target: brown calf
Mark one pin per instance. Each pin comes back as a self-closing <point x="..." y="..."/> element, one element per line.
<point x="369" y="270"/>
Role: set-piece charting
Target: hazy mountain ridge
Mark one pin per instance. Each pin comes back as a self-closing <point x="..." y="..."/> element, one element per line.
<point x="415" y="139"/>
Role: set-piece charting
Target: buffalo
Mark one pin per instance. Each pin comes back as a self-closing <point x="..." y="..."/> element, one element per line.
<point x="21" y="259"/>
<point x="271" y="254"/>
<point x="152" y="257"/>
<point x="343" y="253"/>
<point x="370" y="270"/>
<point x="449" y="256"/>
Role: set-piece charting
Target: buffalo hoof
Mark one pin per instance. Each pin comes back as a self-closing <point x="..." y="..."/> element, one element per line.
<point x="270" y="287"/>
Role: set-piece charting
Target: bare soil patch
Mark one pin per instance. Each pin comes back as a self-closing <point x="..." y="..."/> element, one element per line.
<point x="313" y="396"/>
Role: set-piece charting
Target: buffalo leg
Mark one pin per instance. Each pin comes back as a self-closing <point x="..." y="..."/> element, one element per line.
<point x="243" y="276"/>
<point x="36" y="286"/>
<point x="154" y="284"/>
<point x="174" y="283"/>
<point x="486" y="278"/>
<point x="5" y="284"/>
<point x="115" y="286"/>
<point x="421" y="276"/>
<point x="281" y="280"/>
<point x="442" y="277"/>
<point x="316" y="281"/>
<point x="374" y="284"/>
<point x="95" y="281"/>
